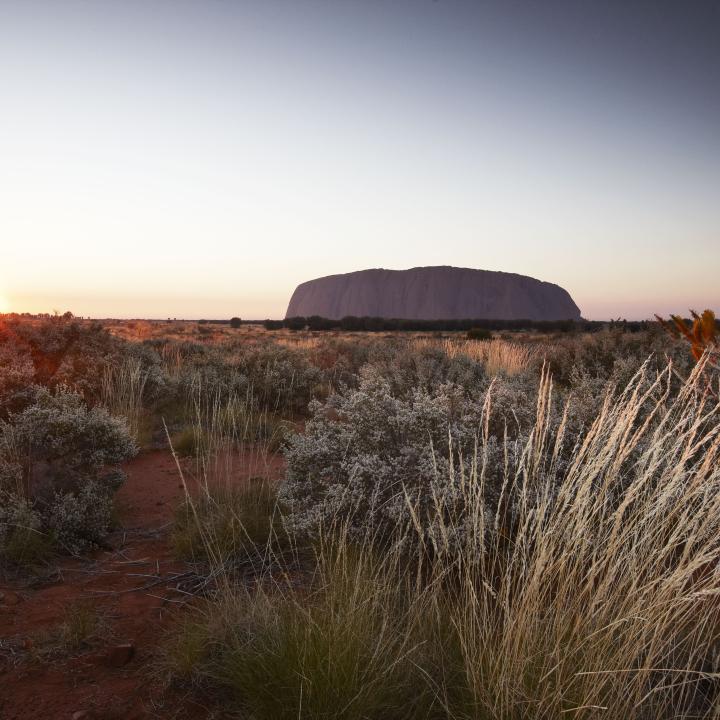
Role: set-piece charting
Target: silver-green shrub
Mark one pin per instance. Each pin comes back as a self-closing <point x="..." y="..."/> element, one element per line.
<point x="378" y="461"/>
<point x="386" y="456"/>
<point x="81" y="519"/>
<point x="277" y="378"/>
<point x="16" y="378"/>
<point x="60" y="430"/>
<point x="407" y="368"/>
<point x="62" y="458"/>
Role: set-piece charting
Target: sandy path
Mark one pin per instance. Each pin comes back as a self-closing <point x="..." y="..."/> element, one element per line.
<point x="132" y="587"/>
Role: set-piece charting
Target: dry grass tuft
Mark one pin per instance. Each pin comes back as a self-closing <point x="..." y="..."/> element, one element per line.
<point x="498" y="356"/>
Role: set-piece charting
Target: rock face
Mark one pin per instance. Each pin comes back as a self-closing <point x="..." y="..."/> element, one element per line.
<point x="433" y="293"/>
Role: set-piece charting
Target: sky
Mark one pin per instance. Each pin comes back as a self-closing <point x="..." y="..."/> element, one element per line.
<point x="168" y="158"/>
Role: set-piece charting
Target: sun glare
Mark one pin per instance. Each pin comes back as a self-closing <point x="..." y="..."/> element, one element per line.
<point x="4" y="305"/>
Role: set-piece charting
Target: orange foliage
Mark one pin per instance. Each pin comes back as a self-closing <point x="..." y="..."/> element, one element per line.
<point x="702" y="335"/>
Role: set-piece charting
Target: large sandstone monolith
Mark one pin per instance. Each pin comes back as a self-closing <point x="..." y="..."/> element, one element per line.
<point x="433" y="293"/>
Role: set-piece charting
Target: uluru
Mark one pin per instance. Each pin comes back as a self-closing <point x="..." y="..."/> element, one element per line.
<point x="432" y="293"/>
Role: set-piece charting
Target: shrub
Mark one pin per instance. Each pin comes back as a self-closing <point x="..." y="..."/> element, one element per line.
<point x="79" y="520"/>
<point x="612" y="355"/>
<point x="63" y="351"/>
<point x="142" y="366"/>
<point x="282" y="380"/>
<point x="381" y="459"/>
<point x="375" y="459"/>
<point x="64" y="456"/>
<point x="479" y="334"/>
<point x="273" y="378"/>
<point x="11" y="476"/>
<point x="69" y="440"/>
<point x="426" y="366"/>
<point x="235" y="322"/>
<point x="17" y="376"/>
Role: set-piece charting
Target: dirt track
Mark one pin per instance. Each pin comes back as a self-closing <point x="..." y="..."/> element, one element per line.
<point x="133" y="589"/>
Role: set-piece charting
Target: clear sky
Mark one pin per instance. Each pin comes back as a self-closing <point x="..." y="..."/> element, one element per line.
<point x="200" y="159"/>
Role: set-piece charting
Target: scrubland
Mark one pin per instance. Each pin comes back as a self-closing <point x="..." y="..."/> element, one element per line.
<point x="515" y="528"/>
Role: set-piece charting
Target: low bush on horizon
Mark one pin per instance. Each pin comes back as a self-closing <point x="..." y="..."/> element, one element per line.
<point x="479" y="334"/>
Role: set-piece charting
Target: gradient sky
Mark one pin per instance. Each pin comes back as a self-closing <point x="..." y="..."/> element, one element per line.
<point x="200" y="159"/>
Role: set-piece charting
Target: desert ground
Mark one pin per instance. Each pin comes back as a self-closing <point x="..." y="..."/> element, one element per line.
<point x="201" y="521"/>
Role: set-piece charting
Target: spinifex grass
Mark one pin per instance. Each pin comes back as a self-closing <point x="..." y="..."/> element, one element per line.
<point x="123" y="386"/>
<point x="230" y="514"/>
<point x="239" y="521"/>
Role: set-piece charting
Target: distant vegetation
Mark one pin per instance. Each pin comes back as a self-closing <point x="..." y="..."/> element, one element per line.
<point x="376" y="324"/>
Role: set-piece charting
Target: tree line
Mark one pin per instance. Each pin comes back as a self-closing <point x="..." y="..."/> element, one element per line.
<point x="378" y="324"/>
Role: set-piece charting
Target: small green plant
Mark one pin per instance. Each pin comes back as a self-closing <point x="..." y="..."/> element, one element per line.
<point x="82" y="625"/>
<point x="186" y="649"/>
<point x="81" y="628"/>
<point x="236" y="524"/>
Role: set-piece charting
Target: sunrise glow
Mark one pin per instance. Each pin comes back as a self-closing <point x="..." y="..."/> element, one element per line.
<point x="386" y="332"/>
<point x="302" y="139"/>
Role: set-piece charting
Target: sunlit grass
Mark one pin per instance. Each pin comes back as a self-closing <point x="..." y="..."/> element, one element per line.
<point x="498" y="356"/>
<point x="597" y="599"/>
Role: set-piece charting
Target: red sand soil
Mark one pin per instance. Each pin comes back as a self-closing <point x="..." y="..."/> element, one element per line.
<point x="133" y="587"/>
